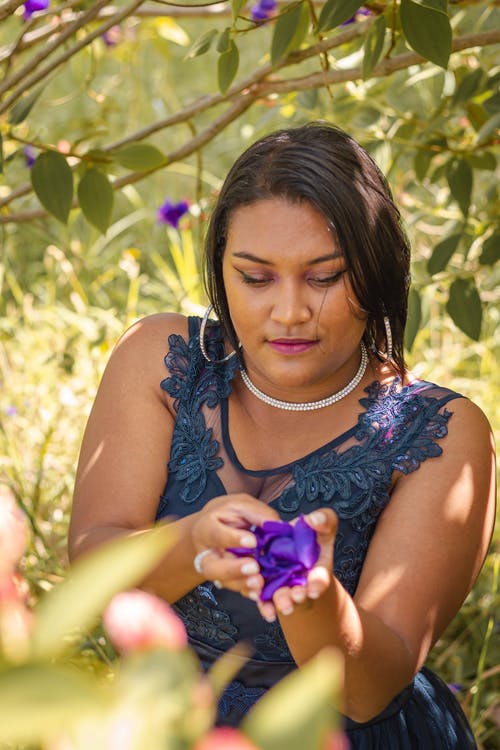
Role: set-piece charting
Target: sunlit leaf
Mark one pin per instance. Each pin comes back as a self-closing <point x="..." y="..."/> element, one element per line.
<point x="171" y="31"/>
<point x="441" y="6"/>
<point x="373" y="46"/>
<point x="414" y="318"/>
<point x="459" y="175"/>
<point x="202" y="44"/>
<point x="335" y="12"/>
<point x="427" y="31"/>
<point x="289" y="31"/>
<point x="73" y="607"/>
<point x="490" y="251"/>
<point x="228" y="67"/>
<point x="52" y="181"/>
<point x="23" y="106"/>
<point x="299" y="711"/>
<point x="464" y="307"/>
<point x="237" y="6"/>
<point x="139" y="156"/>
<point x="442" y="253"/>
<point x="38" y="700"/>
<point x="469" y="85"/>
<point x="96" y="196"/>
<point x="483" y="160"/>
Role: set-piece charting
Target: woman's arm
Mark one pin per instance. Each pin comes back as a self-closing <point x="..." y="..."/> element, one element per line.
<point x="424" y="557"/>
<point x="122" y="469"/>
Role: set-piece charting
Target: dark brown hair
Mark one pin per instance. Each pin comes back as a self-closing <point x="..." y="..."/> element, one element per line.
<point x="324" y="166"/>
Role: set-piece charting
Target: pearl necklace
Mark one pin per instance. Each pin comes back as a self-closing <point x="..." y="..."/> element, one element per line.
<point x="309" y="405"/>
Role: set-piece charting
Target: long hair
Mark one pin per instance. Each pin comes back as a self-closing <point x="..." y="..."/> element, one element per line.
<point x="324" y="166"/>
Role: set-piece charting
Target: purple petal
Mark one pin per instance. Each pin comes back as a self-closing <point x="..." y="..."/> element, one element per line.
<point x="171" y="213"/>
<point x="271" y="586"/>
<point x="306" y="543"/>
<point x="282" y="548"/>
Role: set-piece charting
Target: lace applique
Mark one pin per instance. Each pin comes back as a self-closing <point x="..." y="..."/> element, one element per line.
<point x="203" y="620"/>
<point x="238" y="697"/>
<point x="397" y="431"/>
<point x="271" y="643"/>
<point x="349" y="557"/>
<point x="193" y="384"/>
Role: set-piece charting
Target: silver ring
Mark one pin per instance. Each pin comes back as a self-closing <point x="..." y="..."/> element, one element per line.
<point x="199" y="559"/>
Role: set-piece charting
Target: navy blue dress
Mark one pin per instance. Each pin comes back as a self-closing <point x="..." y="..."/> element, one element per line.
<point x="397" y="429"/>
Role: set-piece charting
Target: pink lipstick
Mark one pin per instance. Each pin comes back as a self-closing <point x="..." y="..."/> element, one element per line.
<point x="291" y="346"/>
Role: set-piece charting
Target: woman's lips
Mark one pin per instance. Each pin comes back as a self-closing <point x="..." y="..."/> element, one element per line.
<point x="291" y="346"/>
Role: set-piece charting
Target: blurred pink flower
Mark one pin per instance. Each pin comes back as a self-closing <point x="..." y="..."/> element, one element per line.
<point x="225" y="738"/>
<point x="16" y="620"/>
<point x="336" y="740"/>
<point x="13" y="534"/>
<point x="136" y="621"/>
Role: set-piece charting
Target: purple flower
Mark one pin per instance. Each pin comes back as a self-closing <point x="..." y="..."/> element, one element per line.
<point x="455" y="687"/>
<point x="263" y="9"/>
<point x="171" y="213"/>
<point x="31" y="6"/>
<point x="29" y="156"/>
<point x="112" y="36"/>
<point x="356" y="16"/>
<point x="285" y="552"/>
<point x="11" y="411"/>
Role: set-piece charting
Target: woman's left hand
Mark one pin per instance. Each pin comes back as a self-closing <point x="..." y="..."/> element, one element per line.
<point x="324" y="521"/>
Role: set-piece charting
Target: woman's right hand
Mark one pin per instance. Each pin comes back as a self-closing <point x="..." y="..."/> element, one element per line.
<point x="227" y="522"/>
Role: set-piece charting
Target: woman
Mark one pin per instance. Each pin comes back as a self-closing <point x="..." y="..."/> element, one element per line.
<point x="298" y="403"/>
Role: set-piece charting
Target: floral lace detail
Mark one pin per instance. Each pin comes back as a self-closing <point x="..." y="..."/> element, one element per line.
<point x="238" y="697"/>
<point x="204" y="620"/>
<point x="349" y="558"/>
<point x="397" y="431"/>
<point x="271" y="644"/>
<point x="192" y="383"/>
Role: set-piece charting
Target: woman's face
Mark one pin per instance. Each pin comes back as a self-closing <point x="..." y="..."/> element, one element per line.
<point x="290" y="300"/>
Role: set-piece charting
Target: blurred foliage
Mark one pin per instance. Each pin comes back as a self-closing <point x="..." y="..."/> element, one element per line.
<point x="124" y="105"/>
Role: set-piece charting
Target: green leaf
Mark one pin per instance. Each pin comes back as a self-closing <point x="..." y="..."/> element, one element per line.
<point x="335" y="12"/>
<point x="414" y="318"/>
<point x="52" y="181"/>
<point x="96" y="197"/>
<point x="289" y="31"/>
<point x="373" y="46"/>
<point x="464" y="307"/>
<point x="442" y="253"/>
<point x="441" y="6"/>
<point x="427" y="31"/>
<point x="469" y="85"/>
<point x="236" y="6"/>
<point x="490" y="251"/>
<point x="228" y="67"/>
<point x="485" y="160"/>
<point x="73" y="607"/>
<point x="37" y="701"/>
<point x="202" y="44"/>
<point x="139" y="157"/>
<point x="299" y="711"/>
<point x="1" y="153"/>
<point x="459" y="175"/>
<point x="23" y="106"/>
<point x="421" y="163"/>
<point x="490" y="126"/>
<point x="224" y="40"/>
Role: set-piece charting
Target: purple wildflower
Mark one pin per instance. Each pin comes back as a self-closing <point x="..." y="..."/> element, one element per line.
<point x="112" y="36"/>
<point x="32" y="6"/>
<point x="455" y="687"/>
<point x="11" y="411"/>
<point x="171" y="213"/>
<point x="359" y="13"/>
<point x="285" y="552"/>
<point x="29" y="156"/>
<point x="263" y="9"/>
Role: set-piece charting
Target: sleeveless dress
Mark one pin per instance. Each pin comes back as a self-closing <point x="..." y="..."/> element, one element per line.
<point x="397" y="429"/>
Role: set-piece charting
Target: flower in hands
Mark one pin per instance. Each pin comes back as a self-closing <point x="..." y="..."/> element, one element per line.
<point x="285" y="552"/>
<point x="137" y="621"/>
<point x="171" y="213"/>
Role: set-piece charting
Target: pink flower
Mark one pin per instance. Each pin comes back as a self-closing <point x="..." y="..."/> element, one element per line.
<point x="336" y="740"/>
<point x="225" y="738"/>
<point x="138" y="621"/>
<point x="13" y="534"/>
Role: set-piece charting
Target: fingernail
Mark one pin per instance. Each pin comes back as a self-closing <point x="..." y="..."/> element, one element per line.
<point x="269" y="618"/>
<point x="253" y="595"/>
<point x="317" y="517"/>
<point x="313" y="595"/>
<point x="249" y="567"/>
<point x="287" y="611"/>
<point x="248" y="541"/>
<point x="298" y="596"/>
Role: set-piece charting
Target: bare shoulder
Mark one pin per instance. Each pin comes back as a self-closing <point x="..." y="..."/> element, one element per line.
<point x="153" y="331"/>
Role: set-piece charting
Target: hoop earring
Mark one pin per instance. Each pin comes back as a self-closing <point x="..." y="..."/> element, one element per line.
<point x="388" y="335"/>
<point x="202" y="340"/>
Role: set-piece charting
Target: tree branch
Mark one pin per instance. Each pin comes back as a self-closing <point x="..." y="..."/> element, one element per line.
<point x="7" y="8"/>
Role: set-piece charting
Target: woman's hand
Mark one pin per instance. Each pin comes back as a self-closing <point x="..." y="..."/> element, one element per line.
<point x="324" y="521"/>
<point x="223" y="523"/>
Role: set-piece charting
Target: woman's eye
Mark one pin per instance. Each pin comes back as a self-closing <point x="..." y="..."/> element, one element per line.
<point x="327" y="280"/>
<point x="254" y="280"/>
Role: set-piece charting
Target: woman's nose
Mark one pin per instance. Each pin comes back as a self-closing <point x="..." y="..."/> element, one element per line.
<point x="290" y="305"/>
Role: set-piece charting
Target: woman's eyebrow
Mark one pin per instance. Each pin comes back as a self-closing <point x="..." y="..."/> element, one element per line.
<point x="255" y="258"/>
